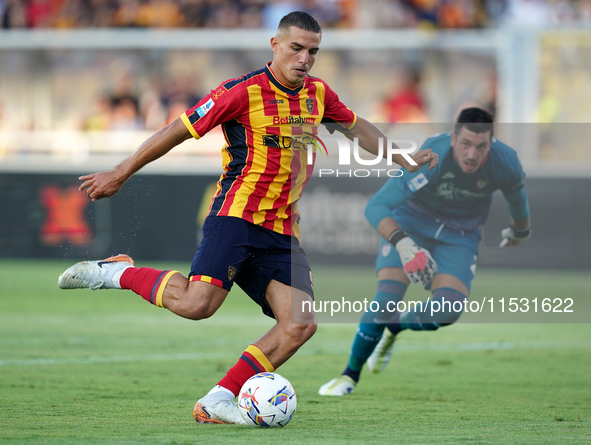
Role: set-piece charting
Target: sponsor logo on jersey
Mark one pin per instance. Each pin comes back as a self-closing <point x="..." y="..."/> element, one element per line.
<point x="448" y="175"/>
<point x="294" y="142"/>
<point x="293" y="120"/>
<point x="418" y="182"/>
<point x="275" y="101"/>
<point x="204" y="109"/>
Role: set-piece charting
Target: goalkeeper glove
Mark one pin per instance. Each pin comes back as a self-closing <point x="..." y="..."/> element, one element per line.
<point x="417" y="262"/>
<point x="513" y="237"/>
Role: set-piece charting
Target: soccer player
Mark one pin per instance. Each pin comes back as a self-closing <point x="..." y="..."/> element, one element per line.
<point x="250" y="236"/>
<point x="430" y="225"/>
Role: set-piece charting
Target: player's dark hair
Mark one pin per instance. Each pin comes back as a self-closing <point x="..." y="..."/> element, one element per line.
<point x="476" y="120"/>
<point x="299" y="19"/>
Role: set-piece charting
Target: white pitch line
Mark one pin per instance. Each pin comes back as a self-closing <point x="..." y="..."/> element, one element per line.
<point x="330" y="350"/>
<point x="113" y="359"/>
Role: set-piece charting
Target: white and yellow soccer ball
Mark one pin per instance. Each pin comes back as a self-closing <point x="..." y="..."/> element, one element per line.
<point x="267" y="400"/>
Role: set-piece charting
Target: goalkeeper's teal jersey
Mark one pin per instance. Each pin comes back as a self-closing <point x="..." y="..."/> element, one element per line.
<point x="446" y="193"/>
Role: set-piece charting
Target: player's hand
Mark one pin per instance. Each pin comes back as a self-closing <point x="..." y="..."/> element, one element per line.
<point x="422" y="158"/>
<point x="513" y="237"/>
<point x="101" y="185"/>
<point x="418" y="264"/>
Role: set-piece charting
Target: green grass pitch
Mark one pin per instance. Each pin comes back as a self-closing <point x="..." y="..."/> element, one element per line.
<point x="82" y="367"/>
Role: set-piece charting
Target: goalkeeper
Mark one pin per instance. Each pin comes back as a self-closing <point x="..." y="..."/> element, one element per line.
<point x="430" y="224"/>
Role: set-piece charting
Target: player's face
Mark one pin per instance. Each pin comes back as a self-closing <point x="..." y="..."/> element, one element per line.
<point x="470" y="149"/>
<point x="294" y="55"/>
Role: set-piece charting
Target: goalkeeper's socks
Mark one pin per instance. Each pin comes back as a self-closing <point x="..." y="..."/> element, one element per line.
<point x="146" y="282"/>
<point x="395" y="325"/>
<point x="353" y="374"/>
<point x="371" y="328"/>
<point x="252" y="361"/>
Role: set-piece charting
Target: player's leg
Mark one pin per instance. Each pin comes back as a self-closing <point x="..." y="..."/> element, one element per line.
<point x="265" y="355"/>
<point x="391" y="286"/>
<point x="292" y="329"/>
<point x="456" y="259"/>
<point x="195" y="298"/>
<point x="382" y="351"/>
<point x="443" y="309"/>
<point x="390" y="289"/>
<point x="276" y="276"/>
<point x="163" y="288"/>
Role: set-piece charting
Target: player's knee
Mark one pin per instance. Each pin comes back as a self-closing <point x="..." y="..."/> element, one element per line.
<point x="451" y="317"/>
<point x="447" y="306"/>
<point x="300" y="333"/>
<point x="194" y="309"/>
<point x="307" y="331"/>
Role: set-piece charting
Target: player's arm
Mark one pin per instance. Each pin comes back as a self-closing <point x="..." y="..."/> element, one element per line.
<point x="369" y="135"/>
<point x="105" y="184"/>
<point x="520" y="228"/>
<point x="417" y="262"/>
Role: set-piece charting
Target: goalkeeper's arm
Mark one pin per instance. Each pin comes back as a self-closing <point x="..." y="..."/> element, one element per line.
<point x="520" y="226"/>
<point x="417" y="262"/>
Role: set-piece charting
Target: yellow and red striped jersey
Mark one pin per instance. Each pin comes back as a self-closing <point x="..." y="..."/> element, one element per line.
<point x="268" y="127"/>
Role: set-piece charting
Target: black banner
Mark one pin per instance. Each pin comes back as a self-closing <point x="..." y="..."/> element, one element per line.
<point x="159" y="218"/>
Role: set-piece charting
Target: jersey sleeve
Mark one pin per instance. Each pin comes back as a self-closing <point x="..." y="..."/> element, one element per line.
<point x="380" y="206"/>
<point x="518" y="205"/>
<point x="219" y="106"/>
<point x="336" y="112"/>
<point x="398" y="190"/>
<point x="410" y="183"/>
<point x="513" y="177"/>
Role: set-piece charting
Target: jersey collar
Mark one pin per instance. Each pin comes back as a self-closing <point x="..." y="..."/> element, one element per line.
<point x="287" y="90"/>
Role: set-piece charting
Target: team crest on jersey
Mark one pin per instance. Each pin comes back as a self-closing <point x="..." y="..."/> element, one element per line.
<point x="231" y="273"/>
<point x="218" y="93"/>
<point x="418" y="182"/>
<point x="310" y="105"/>
<point x="448" y="175"/>
<point x="481" y="183"/>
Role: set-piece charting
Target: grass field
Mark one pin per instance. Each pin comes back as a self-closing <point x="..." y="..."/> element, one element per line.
<point x="106" y="367"/>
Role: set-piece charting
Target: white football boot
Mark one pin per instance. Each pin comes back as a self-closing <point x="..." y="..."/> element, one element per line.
<point x="95" y="275"/>
<point x="340" y="386"/>
<point x="381" y="355"/>
<point x="218" y="407"/>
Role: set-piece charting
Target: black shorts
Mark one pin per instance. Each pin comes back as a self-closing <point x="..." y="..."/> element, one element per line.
<point x="236" y="251"/>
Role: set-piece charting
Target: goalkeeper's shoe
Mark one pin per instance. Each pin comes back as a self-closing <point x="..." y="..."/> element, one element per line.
<point x="340" y="386"/>
<point x="379" y="358"/>
<point x="94" y="275"/>
<point x="216" y="407"/>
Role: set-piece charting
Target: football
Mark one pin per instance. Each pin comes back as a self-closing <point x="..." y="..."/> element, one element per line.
<point x="267" y="400"/>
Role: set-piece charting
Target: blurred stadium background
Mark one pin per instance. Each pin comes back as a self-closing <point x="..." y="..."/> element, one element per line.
<point x="83" y="82"/>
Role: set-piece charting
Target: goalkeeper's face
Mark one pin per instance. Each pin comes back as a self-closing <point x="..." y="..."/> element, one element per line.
<point x="294" y="52"/>
<point x="470" y="149"/>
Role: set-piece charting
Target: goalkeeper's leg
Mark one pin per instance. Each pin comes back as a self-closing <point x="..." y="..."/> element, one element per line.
<point x="444" y="308"/>
<point x="372" y="326"/>
<point x="368" y="334"/>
